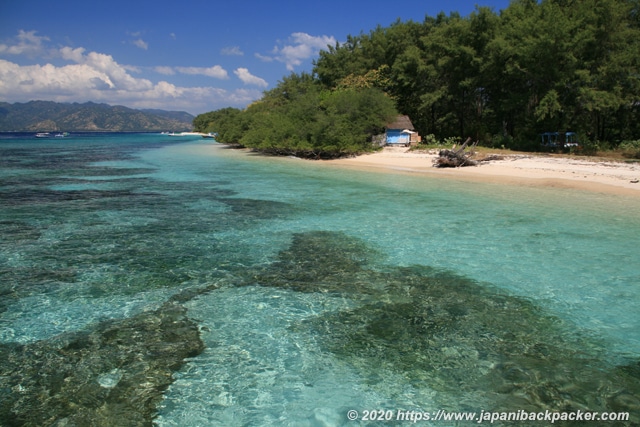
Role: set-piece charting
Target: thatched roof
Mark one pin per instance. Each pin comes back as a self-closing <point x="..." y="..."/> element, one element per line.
<point x="401" y="122"/>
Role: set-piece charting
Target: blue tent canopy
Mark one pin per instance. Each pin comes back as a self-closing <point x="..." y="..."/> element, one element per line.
<point x="559" y="139"/>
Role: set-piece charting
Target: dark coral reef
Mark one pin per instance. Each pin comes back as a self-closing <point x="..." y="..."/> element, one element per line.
<point x="466" y="341"/>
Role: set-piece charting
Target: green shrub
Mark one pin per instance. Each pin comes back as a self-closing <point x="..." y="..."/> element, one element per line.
<point x="451" y="140"/>
<point x="630" y="149"/>
<point x="502" y="141"/>
<point x="431" y="140"/>
<point x="591" y="148"/>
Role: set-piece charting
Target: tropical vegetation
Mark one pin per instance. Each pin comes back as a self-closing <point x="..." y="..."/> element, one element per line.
<point x="302" y="117"/>
<point x="500" y="78"/>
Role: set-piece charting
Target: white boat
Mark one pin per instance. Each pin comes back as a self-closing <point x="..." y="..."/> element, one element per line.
<point x="43" y="135"/>
<point x="62" y="135"/>
<point x="185" y="134"/>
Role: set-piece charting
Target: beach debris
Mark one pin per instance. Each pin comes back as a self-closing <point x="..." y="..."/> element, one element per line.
<point x="491" y="157"/>
<point x="459" y="157"/>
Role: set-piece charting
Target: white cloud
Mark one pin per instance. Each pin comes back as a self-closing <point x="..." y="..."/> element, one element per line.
<point x="318" y="43"/>
<point x="95" y="60"/>
<point x="264" y="58"/>
<point x="96" y="81"/>
<point x="75" y="55"/>
<point x="249" y="79"/>
<point x="137" y="40"/>
<point x="41" y="81"/>
<point x="300" y="47"/>
<point x="98" y="77"/>
<point x="232" y="51"/>
<point x="141" y="44"/>
<point x="28" y="43"/>
<point x="167" y="71"/>
<point x="132" y="68"/>
<point x="116" y="72"/>
<point x="216" y="71"/>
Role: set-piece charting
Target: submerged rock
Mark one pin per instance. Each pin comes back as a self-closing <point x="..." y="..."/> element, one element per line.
<point x="451" y="334"/>
<point x="319" y="261"/>
<point x="458" y="338"/>
<point x="112" y="375"/>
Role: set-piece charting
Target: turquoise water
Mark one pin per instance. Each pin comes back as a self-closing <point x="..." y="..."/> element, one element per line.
<point x="305" y="290"/>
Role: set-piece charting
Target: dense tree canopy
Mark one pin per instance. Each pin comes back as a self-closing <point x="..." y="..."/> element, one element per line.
<point x="501" y="78"/>
<point x="300" y="117"/>
<point x="554" y="65"/>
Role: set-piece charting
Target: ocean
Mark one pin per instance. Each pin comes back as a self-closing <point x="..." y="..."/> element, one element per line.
<point x="173" y="281"/>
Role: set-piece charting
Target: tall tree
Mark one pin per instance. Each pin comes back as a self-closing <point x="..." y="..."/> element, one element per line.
<point x="608" y="78"/>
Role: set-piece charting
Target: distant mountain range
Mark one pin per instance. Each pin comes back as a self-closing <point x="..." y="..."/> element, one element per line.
<point x="47" y="116"/>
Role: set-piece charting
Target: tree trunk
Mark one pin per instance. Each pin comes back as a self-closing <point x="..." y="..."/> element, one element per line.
<point x="456" y="158"/>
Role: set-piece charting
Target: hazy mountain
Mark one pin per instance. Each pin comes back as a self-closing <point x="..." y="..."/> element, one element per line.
<point x="181" y="116"/>
<point x="41" y="116"/>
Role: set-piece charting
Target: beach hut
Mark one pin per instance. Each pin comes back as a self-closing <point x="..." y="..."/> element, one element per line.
<point x="401" y="132"/>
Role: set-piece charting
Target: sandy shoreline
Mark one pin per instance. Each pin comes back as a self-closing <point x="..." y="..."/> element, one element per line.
<point x="527" y="170"/>
<point x="534" y="170"/>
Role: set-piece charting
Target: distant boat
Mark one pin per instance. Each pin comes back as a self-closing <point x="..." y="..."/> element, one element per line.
<point x="209" y="135"/>
<point x="185" y="134"/>
<point x="62" y="135"/>
<point x="43" y="135"/>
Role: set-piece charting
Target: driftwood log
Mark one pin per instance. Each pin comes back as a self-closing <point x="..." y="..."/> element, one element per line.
<point x="456" y="158"/>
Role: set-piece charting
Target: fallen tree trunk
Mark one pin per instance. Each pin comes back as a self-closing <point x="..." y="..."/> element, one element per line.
<point x="455" y="158"/>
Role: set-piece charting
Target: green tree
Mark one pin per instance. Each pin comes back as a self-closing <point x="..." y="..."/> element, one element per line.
<point x="608" y="78"/>
<point x="350" y="118"/>
<point x="298" y="118"/>
<point x="228" y="123"/>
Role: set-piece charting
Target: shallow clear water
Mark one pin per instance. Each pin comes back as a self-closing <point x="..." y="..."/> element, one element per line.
<point x="323" y="289"/>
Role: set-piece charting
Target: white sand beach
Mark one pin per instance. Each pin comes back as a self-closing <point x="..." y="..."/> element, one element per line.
<point x="521" y="169"/>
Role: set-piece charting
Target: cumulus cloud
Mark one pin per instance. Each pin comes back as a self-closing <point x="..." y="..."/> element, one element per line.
<point x="117" y="73"/>
<point x="70" y="54"/>
<point x="98" y="77"/>
<point x="23" y="82"/>
<point x="299" y="47"/>
<point x="232" y="51"/>
<point x="216" y="71"/>
<point x="91" y="75"/>
<point x="96" y="80"/>
<point x="28" y="43"/>
<point x="249" y="79"/>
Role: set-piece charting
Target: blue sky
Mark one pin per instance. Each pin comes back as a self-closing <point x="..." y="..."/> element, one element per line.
<point x="191" y="55"/>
